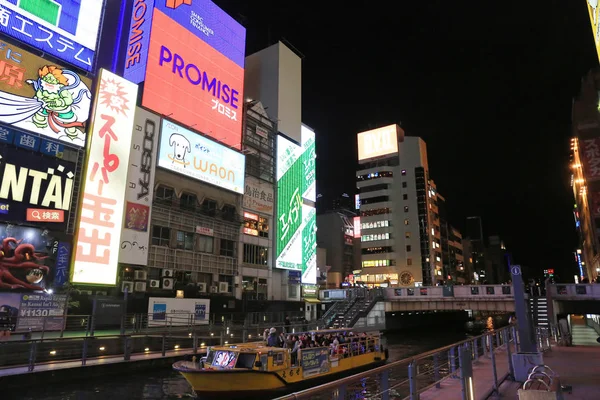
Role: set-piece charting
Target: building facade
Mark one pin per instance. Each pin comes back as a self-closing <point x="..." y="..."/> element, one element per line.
<point x="336" y="235"/>
<point x="399" y="221"/>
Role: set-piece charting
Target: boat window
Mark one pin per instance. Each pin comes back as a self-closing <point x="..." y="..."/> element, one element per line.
<point x="224" y="359"/>
<point x="210" y="357"/>
<point x="245" y="360"/>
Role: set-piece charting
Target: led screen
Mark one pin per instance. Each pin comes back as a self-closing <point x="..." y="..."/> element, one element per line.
<point x="66" y="29"/>
<point x="378" y="142"/>
<point x="191" y="154"/>
<point x="296" y="214"/>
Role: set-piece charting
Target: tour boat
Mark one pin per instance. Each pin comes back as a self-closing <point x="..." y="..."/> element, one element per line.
<point x="252" y="369"/>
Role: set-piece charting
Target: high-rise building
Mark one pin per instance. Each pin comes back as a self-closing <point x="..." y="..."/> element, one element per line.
<point x="497" y="255"/>
<point x="474" y="234"/>
<point x="399" y="221"/>
<point x="585" y="178"/>
<point x="452" y="247"/>
<point x="336" y="235"/>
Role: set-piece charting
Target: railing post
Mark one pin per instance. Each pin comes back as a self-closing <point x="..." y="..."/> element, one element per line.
<point x="222" y="337"/>
<point x="340" y="393"/>
<point x="127" y="349"/>
<point x="43" y="327"/>
<point x="466" y="372"/>
<point x="412" y="381"/>
<point x="164" y="344"/>
<point x="484" y="345"/>
<point x="493" y="356"/>
<point x="384" y="386"/>
<point x="453" y="360"/>
<point x="515" y="338"/>
<point x="195" y="343"/>
<point x="123" y="318"/>
<point x="32" y="354"/>
<point x="436" y="370"/>
<point x="84" y="351"/>
<point x="511" y="371"/>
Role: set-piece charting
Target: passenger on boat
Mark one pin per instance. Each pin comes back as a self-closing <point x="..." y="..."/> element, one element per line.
<point x="273" y="340"/>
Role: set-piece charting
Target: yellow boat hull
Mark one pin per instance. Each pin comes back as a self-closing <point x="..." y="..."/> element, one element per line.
<point x="241" y="383"/>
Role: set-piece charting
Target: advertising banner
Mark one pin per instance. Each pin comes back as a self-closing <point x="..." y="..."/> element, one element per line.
<point x="34" y="188"/>
<point x="314" y="361"/>
<point x="42" y="97"/>
<point x="590" y="157"/>
<point x="193" y="83"/>
<point x="31" y="142"/>
<point x="191" y="154"/>
<point x="21" y="312"/>
<point x="28" y="257"/>
<point x="135" y="236"/>
<point x="296" y="214"/>
<point x="101" y="215"/>
<point x="258" y="195"/>
<point x="173" y="311"/>
<point x="66" y="29"/>
<point x="379" y="142"/>
<point x="594" y="12"/>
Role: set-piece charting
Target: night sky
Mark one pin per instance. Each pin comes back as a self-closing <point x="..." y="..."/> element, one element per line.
<point x="488" y="86"/>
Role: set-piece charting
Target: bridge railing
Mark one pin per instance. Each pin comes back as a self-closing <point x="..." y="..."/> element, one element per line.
<point x="468" y="291"/>
<point x="580" y="291"/>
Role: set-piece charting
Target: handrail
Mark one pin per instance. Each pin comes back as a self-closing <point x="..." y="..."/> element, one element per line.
<point x="531" y="381"/>
<point x="357" y="377"/>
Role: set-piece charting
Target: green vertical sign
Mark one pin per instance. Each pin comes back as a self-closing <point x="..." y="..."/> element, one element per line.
<point x="309" y="240"/>
<point x="289" y="205"/>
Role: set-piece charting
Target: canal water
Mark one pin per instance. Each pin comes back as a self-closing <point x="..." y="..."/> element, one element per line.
<point x="166" y="384"/>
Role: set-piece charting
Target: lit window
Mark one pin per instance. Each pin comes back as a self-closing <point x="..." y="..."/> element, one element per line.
<point x="407" y="235"/>
<point x="406" y="222"/>
<point x="403" y="172"/>
<point x="432" y="231"/>
<point x="405" y="208"/>
<point x="409" y="261"/>
<point x="438" y="259"/>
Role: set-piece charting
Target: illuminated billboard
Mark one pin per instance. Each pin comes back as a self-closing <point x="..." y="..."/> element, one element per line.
<point x="379" y="142"/>
<point x="101" y="215"/>
<point x="42" y="97"/>
<point x="66" y="29"/>
<point x="34" y="188"/>
<point x="191" y="56"/>
<point x="32" y="259"/>
<point x="135" y="236"/>
<point x="296" y="247"/>
<point x="594" y="13"/>
<point x="191" y="154"/>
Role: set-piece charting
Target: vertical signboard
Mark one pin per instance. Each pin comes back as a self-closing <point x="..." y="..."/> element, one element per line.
<point x="594" y="12"/>
<point x="135" y="235"/>
<point x="258" y="195"/>
<point x="42" y="97"/>
<point x="101" y="215"/>
<point x="296" y="214"/>
<point x="590" y="157"/>
<point x="66" y="29"/>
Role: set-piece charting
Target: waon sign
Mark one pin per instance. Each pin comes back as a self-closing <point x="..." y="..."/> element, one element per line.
<point x="101" y="218"/>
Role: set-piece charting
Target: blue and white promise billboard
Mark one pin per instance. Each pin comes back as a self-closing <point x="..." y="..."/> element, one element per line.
<point x="65" y="29"/>
<point x="193" y="155"/>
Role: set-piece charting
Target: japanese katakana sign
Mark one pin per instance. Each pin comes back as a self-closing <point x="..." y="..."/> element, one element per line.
<point x="102" y="210"/>
<point x="42" y="97"/>
<point x="66" y="29"/>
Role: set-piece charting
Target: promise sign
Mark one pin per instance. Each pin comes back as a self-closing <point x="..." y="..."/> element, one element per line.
<point x="101" y="215"/>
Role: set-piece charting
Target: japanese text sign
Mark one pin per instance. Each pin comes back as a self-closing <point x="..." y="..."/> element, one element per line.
<point x="193" y="83"/>
<point x="590" y="155"/>
<point x="29" y="181"/>
<point x="258" y="195"/>
<point x="193" y="155"/>
<point x="42" y="97"/>
<point x="102" y="209"/>
<point x="135" y="236"/>
<point x="66" y="29"/>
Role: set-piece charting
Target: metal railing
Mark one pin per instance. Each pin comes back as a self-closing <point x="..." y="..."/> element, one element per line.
<point x="407" y="378"/>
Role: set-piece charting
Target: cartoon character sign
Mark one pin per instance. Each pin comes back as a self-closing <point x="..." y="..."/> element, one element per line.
<point x="17" y="255"/>
<point x="45" y="98"/>
<point x="181" y="146"/>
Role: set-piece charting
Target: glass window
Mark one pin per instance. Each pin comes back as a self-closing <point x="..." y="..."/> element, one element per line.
<point x="161" y="236"/>
<point x="406" y="222"/>
<point x="407" y="235"/>
<point x="405" y="208"/>
<point x="256" y="255"/>
<point x="408" y="248"/>
<point x="255" y="225"/>
<point x="209" y="207"/>
<point x="227" y="248"/>
<point x="404" y="197"/>
<point x="164" y="194"/>
<point x="185" y="240"/>
<point x="188" y="201"/>
<point x="403" y="172"/>
<point x="293" y="291"/>
<point x="404" y="184"/>
<point x="409" y="261"/>
<point x="228" y="212"/>
<point x="205" y="244"/>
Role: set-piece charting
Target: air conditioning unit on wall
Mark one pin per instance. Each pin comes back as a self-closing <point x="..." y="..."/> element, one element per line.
<point x="223" y="287"/>
<point x="201" y="287"/>
<point x="127" y="285"/>
<point x="167" y="283"/>
<point x="140" y="275"/>
<point x="140" y="286"/>
<point x="154" y="284"/>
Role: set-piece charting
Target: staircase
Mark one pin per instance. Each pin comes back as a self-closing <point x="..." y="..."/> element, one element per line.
<point x="538" y="307"/>
<point x="345" y="314"/>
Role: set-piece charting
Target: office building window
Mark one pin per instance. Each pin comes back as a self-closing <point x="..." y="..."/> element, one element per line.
<point x="409" y="261"/>
<point x="205" y="244"/>
<point x="405" y="208"/>
<point x="404" y="184"/>
<point x="161" y="236"/>
<point x="227" y="248"/>
<point x="188" y="201"/>
<point x="406" y="222"/>
<point x="407" y="235"/>
<point x="293" y="291"/>
<point x="185" y="240"/>
<point x="256" y="225"/>
<point x="408" y="248"/>
<point x="403" y="172"/>
<point x="404" y="197"/>
<point x="256" y="255"/>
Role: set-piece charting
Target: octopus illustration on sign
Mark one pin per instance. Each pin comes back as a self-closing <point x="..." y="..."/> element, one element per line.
<point x="17" y="255"/>
<point x="58" y="106"/>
